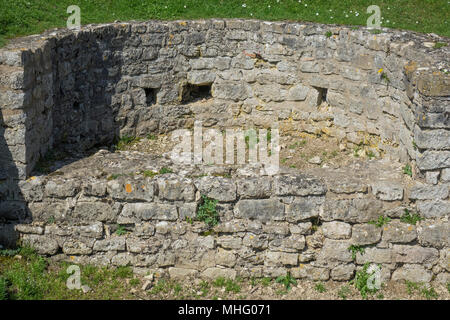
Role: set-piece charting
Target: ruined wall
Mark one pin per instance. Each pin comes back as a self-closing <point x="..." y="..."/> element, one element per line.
<point x="74" y="90"/>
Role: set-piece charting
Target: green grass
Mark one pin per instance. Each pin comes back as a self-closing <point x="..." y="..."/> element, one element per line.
<point x="23" y="17"/>
<point x="126" y="141"/>
<point x="343" y="292"/>
<point x="120" y="231"/>
<point x="29" y="277"/>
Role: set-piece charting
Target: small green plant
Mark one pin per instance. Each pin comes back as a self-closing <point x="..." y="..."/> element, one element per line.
<point x="411" y="286"/>
<point x="343" y="292"/>
<point x="113" y="176"/>
<point x="134" y="282"/>
<point x="189" y="220"/>
<point x="439" y="45"/>
<point x="165" y="170"/>
<point x="207" y="211"/>
<point x="407" y="170"/>
<point x="414" y="144"/>
<point x="328" y="34"/>
<point x="370" y="154"/>
<point x="120" y="231"/>
<point x="266" y="281"/>
<point x="407" y="217"/>
<point x="361" y="282"/>
<point x="382" y="220"/>
<point x="219" y="282"/>
<point x="9" y="252"/>
<point x="319" y="287"/>
<point x="354" y="249"/>
<point x="385" y="77"/>
<point x="151" y="137"/>
<point x="429" y="293"/>
<point x="448" y="287"/>
<point x="125" y="141"/>
<point x="286" y="280"/>
<point x="204" y="288"/>
<point x="375" y="31"/>
<point x="232" y="286"/>
<point x="149" y="173"/>
<point x="51" y="220"/>
<point x="123" y="272"/>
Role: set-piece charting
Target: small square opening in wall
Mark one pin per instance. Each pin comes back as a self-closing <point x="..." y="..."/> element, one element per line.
<point x="322" y="95"/>
<point x="150" y="96"/>
<point x="193" y="92"/>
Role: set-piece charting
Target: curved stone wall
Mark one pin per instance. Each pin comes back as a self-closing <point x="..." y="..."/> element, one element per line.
<point x="76" y="90"/>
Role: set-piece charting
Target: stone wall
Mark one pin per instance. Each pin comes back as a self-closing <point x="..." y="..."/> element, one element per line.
<point x="304" y="223"/>
<point x="66" y="90"/>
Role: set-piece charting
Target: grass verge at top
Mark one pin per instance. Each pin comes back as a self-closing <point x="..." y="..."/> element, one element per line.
<point x="24" y="17"/>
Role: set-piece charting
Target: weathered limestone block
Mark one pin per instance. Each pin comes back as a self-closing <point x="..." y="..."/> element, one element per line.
<point x="136" y="212"/>
<point x="375" y="255"/>
<point x="42" y="244"/>
<point x="412" y="272"/>
<point x="131" y="190"/>
<point x="303" y="208"/>
<point x="427" y="192"/>
<point x="176" y="189"/>
<point x="254" y="187"/>
<point x="343" y="272"/>
<point x="77" y="247"/>
<point x="215" y="272"/>
<point x="62" y="188"/>
<point x="355" y="210"/>
<point x="218" y="188"/>
<point x="276" y="258"/>
<point x="105" y="211"/>
<point x="229" y="242"/>
<point x="415" y="254"/>
<point x="310" y="272"/>
<point x="261" y="210"/>
<point x="298" y="185"/>
<point x="399" y="232"/>
<point x="336" y="230"/>
<point x="335" y="251"/>
<point x="110" y="244"/>
<point x="387" y="191"/>
<point x="364" y="234"/>
<point x="136" y="245"/>
<point x="225" y="258"/>
<point x="182" y="273"/>
<point x="434" y="234"/>
<point x="431" y="160"/>
<point x="433" y="208"/>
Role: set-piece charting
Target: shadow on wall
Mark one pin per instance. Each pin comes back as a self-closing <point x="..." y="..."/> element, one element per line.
<point x="12" y="205"/>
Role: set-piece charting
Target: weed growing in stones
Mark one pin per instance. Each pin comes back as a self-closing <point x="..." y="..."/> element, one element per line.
<point x="165" y="170"/>
<point x="266" y="281"/>
<point x="207" y="211"/>
<point x="354" y="249"/>
<point x="429" y="293"/>
<point x="411" y="286"/>
<point x="439" y="45"/>
<point x="361" y="282"/>
<point x="410" y="218"/>
<point x="407" y="170"/>
<point x="328" y="34"/>
<point x="120" y="231"/>
<point x="382" y="220"/>
<point x="286" y="280"/>
<point x="320" y="287"/>
<point x="126" y="141"/>
<point x="343" y="292"/>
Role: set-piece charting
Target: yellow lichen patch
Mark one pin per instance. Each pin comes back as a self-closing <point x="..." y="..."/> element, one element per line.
<point x="410" y="228"/>
<point x="31" y="178"/>
<point x="251" y="237"/>
<point x="380" y="70"/>
<point x="183" y="23"/>
<point x="301" y="265"/>
<point x="128" y="188"/>
<point x="72" y="258"/>
<point x="386" y="228"/>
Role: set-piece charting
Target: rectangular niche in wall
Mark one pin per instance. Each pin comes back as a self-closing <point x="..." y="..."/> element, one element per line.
<point x="150" y="96"/>
<point x="193" y="92"/>
<point x="322" y="95"/>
